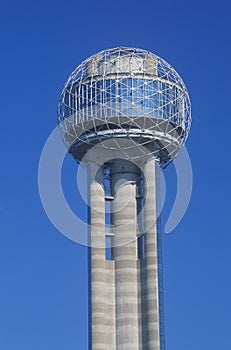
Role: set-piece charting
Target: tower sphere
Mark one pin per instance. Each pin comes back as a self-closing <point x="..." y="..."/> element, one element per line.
<point x="125" y="93"/>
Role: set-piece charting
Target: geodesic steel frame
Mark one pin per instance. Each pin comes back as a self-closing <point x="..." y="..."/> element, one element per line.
<point x="125" y="93"/>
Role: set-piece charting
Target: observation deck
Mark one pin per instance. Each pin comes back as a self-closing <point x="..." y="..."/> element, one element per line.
<point x="125" y="93"/>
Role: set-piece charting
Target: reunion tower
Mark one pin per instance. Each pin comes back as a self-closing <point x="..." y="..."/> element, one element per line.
<point x="124" y="113"/>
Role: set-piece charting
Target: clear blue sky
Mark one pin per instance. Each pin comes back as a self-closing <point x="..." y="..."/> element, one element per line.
<point x="43" y="297"/>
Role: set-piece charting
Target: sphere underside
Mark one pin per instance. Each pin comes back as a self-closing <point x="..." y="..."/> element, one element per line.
<point x="159" y="137"/>
<point x="125" y="94"/>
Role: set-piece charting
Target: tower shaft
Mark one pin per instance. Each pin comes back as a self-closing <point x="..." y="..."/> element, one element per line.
<point x="124" y="290"/>
<point x="124" y="219"/>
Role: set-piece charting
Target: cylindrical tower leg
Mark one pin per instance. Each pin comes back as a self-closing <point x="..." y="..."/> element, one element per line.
<point x="99" y="323"/>
<point x="124" y="175"/>
<point x="151" y="259"/>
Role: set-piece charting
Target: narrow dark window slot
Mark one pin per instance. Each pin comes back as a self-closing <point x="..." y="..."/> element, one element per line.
<point x="141" y="247"/>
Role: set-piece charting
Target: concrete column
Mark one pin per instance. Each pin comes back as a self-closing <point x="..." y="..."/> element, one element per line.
<point x="102" y="331"/>
<point x="124" y="175"/>
<point x="151" y="340"/>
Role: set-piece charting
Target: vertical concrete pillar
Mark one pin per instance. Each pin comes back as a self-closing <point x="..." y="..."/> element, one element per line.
<point x="150" y="267"/>
<point x="124" y="175"/>
<point x="102" y="332"/>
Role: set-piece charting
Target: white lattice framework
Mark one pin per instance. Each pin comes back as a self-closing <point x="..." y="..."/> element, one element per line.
<point x="125" y="93"/>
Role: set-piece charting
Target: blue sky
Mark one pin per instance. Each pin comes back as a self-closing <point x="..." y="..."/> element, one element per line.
<point x="43" y="297"/>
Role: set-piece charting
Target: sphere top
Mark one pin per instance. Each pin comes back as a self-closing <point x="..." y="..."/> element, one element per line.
<point x="125" y="93"/>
